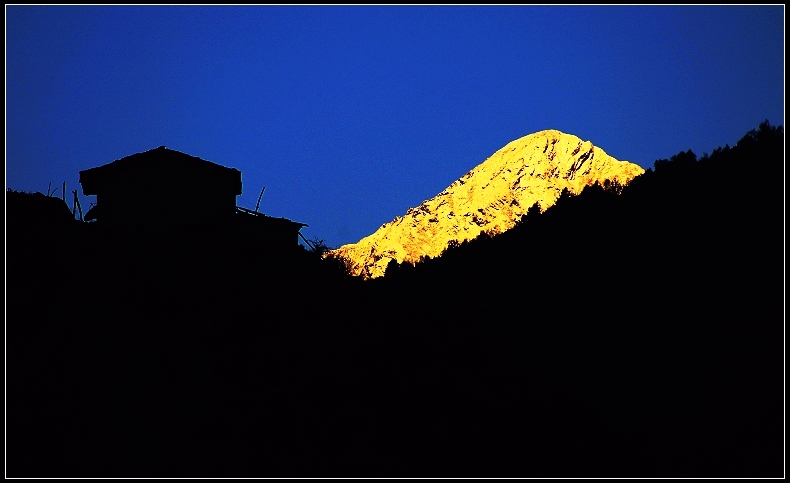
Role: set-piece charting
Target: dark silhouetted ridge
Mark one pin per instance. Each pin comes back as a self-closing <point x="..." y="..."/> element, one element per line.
<point x="629" y="331"/>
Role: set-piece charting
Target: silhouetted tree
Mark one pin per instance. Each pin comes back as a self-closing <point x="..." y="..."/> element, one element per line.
<point x="318" y="247"/>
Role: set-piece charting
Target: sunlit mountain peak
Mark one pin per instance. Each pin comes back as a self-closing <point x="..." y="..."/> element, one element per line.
<point x="490" y="198"/>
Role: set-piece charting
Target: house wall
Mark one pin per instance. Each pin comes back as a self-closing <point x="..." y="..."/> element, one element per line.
<point x="164" y="200"/>
<point x="268" y="233"/>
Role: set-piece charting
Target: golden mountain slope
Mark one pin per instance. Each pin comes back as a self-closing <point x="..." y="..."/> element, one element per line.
<point x="490" y="198"/>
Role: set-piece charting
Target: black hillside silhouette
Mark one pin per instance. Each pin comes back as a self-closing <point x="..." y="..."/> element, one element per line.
<point x="630" y="335"/>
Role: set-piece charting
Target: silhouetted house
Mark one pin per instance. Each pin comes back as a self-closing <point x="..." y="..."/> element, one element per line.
<point x="162" y="189"/>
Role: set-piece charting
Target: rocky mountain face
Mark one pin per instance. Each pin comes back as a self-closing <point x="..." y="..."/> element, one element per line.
<point x="490" y="198"/>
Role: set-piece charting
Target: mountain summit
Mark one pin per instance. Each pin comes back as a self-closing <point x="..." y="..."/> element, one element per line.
<point x="490" y="198"/>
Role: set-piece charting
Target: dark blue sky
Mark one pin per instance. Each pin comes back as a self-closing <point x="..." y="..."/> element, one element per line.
<point x="351" y="115"/>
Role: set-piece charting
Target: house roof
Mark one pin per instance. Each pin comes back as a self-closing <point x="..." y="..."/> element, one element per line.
<point x="158" y="162"/>
<point x="261" y="218"/>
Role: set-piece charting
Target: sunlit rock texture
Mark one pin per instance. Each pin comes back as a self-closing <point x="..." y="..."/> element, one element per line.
<point x="492" y="197"/>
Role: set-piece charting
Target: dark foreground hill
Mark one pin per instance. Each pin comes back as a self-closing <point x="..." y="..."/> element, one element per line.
<point x="633" y="335"/>
<point x="661" y="305"/>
